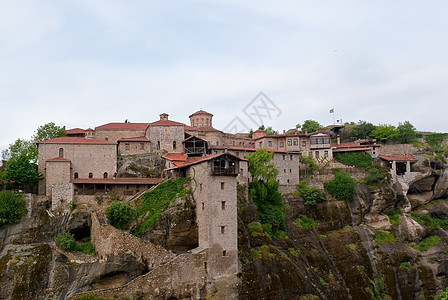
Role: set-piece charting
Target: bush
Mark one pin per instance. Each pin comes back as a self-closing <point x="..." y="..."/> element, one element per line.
<point x="120" y="214"/>
<point x="394" y="216"/>
<point x="427" y="243"/>
<point x="305" y="222"/>
<point x="376" y="176"/>
<point x="429" y="220"/>
<point x="360" y="160"/>
<point x="12" y="207"/>
<point x="384" y="237"/>
<point x="66" y="241"/>
<point x="342" y="187"/>
<point x="310" y="194"/>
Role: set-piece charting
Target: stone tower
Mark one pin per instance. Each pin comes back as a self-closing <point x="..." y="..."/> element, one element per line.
<point x="201" y="119"/>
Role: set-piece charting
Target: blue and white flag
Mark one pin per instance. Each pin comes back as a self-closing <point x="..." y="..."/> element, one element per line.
<point x="3" y="155"/>
<point x="332" y="111"/>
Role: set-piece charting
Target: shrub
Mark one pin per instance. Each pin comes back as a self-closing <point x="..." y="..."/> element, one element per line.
<point x="429" y="220"/>
<point x="376" y="176"/>
<point x="255" y="228"/>
<point x="360" y="160"/>
<point x="120" y="214"/>
<point x="66" y="241"/>
<point x="342" y="187"/>
<point x="310" y="194"/>
<point x="12" y="207"/>
<point x="305" y="222"/>
<point x="384" y="237"/>
<point x="427" y="243"/>
<point x="405" y="265"/>
<point x="394" y="216"/>
<point x="293" y="252"/>
<point x="442" y="296"/>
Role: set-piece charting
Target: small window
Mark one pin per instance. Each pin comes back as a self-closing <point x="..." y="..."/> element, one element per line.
<point x="222" y="185"/>
<point x="105" y="175"/>
<point x="205" y="265"/>
<point x="241" y="171"/>
<point x="290" y="157"/>
<point x="142" y="146"/>
<point x="289" y="142"/>
<point x="326" y="153"/>
<point x="296" y="142"/>
<point x="270" y="143"/>
<point x="115" y="175"/>
<point x="61" y="152"/>
<point x="127" y="186"/>
<point x="304" y="143"/>
<point x="282" y="144"/>
<point x="200" y="187"/>
<point x="287" y="180"/>
<point x="224" y="253"/>
<point x="90" y="175"/>
<point x="75" y="175"/>
<point x="106" y="139"/>
<point x="284" y="157"/>
<point x="316" y="154"/>
<point x="261" y="144"/>
<point x="217" y="143"/>
<point x="174" y="145"/>
<point x="223" y="205"/>
<point x="158" y="145"/>
<point x="203" y="205"/>
<point x="126" y="146"/>
<point x="223" y="229"/>
<point x="284" y="170"/>
<point x="290" y="171"/>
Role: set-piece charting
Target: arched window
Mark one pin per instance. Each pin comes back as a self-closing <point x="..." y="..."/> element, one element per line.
<point x="90" y="175"/>
<point x="158" y="145"/>
<point x="75" y="175"/>
<point x="61" y="152"/>
<point x="174" y="145"/>
<point x="105" y="175"/>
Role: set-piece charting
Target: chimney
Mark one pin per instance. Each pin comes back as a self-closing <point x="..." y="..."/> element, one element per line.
<point x="338" y="139"/>
<point x="284" y="131"/>
<point x="306" y="131"/>
<point x="164" y="117"/>
<point x="89" y="133"/>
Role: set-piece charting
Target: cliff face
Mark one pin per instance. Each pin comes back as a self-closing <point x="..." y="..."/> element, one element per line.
<point x="353" y="252"/>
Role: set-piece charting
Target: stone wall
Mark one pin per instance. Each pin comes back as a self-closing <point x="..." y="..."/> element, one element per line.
<point x="62" y="196"/>
<point x="110" y="241"/>
<point x="167" y="137"/>
<point x="115" y="135"/>
<point x="400" y="149"/>
<point x="184" y="277"/>
<point x="322" y="175"/>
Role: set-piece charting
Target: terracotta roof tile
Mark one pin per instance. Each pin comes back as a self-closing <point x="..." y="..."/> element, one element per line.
<point x="166" y="123"/>
<point x="135" y="139"/>
<point x="200" y="112"/>
<point x="213" y="147"/>
<point x="176" y="156"/>
<point x="123" y="126"/>
<point x="58" y="159"/>
<point x="398" y="157"/>
<point x="75" y="140"/>
<point x="75" y="131"/>
<point x="118" y="180"/>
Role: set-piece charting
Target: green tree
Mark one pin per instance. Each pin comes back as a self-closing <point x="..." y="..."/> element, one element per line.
<point x="66" y="241"/>
<point x="22" y="171"/>
<point x="310" y="126"/>
<point x="385" y="132"/>
<point x="120" y="214"/>
<point x="12" y="207"/>
<point x="21" y="146"/>
<point x="48" y="131"/>
<point x="268" y="130"/>
<point x="407" y="132"/>
<point x="311" y="195"/>
<point x="362" y="130"/>
<point x="342" y="187"/>
<point x="263" y="190"/>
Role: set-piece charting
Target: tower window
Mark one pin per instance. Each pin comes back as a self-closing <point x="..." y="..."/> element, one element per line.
<point x="174" y="145"/>
<point x="224" y="253"/>
<point x="105" y="175"/>
<point x="61" y="152"/>
<point x="75" y="175"/>
<point x="90" y="175"/>
<point x="222" y="185"/>
<point x="223" y="229"/>
<point x="223" y="205"/>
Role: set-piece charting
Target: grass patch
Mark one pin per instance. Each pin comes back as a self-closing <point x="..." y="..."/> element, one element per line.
<point x="151" y="204"/>
<point x="263" y="251"/>
<point x="352" y="246"/>
<point x="360" y="160"/>
<point x="323" y="282"/>
<point x="394" y="216"/>
<point x="305" y="222"/>
<point x="430" y="221"/>
<point x="293" y="251"/>
<point x="66" y="241"/>
<point x="405" y="265"/>
<point x="384" y="237"/>
<point x="347" y="228"/>
<point x="427" y="243"/>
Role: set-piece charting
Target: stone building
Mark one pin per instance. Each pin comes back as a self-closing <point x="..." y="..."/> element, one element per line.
<point x="166" y="135"/>
<point x="215" y="192"/>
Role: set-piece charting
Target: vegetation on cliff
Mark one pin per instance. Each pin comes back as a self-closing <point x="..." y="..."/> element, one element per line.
<point x="12" y="207"/>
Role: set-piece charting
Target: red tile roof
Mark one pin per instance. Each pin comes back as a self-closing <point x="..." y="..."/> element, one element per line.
<point x="135" y="139"/>
<point x="75" y="140"/>
<point x="166" y="123"/>
<point x="58" y="159"/>
<point x="187" y="127"/>
<point x="213" y="147"/>
<point x="123" y="126"/>
<point x="176" y="156"/>
<point x="398" y="157"/>
<point x="201" y="112"/>
<point x="118" y="180"/>
<point x="75" y="131"/>
<point x="195" y="160"/>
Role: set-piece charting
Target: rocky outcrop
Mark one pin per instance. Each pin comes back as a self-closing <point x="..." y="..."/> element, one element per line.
<point x="142" y="165"/>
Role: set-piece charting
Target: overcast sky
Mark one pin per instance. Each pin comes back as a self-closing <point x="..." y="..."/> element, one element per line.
<point x="83" y="63"/>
